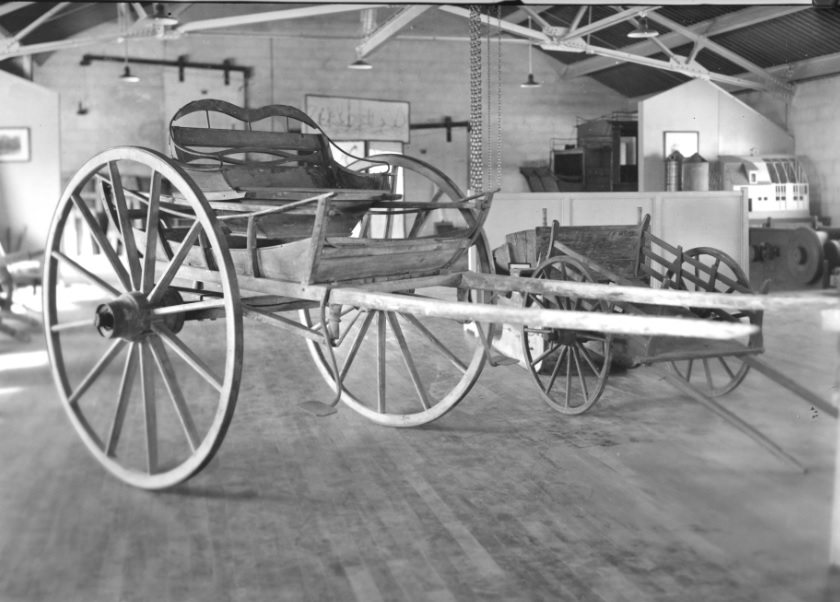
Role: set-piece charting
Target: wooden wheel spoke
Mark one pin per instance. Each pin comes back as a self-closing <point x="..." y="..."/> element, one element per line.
<point x="581" y="377"/>
<point x="588" y="359"/>
<point x="175" y="263"/>
<point x="545" y="354"/>
<point x="77" y="325"/>
<point x="190" y="306"/>
<point x="170" y="381"/>
<point x="409" y="361"/>
<point x="436" y="342"/>
<point x="708" y="371"/>
<point x="188" y="355"/>
<point x="568" y="390"/>
<point x="357" y="342"/>
<point x="102" y="241"/>
<point x="149" y="406"/>
<point x="688" y="370"/>
<point x="96" y="371"/>
<point x="152" y="218"/>
<point x="381" y="358"/>
<point x="125" y="225"/>
<point x="90" y="276"/>
<point x="556" y="369"/>
<point x="726" y="367"/>
<point x="122" y="401"/>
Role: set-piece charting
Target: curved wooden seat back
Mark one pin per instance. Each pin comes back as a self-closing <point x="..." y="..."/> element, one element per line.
<point x="260" y="158"/>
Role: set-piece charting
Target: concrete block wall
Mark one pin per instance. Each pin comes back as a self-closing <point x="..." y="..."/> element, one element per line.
<point x="432" y="76"/>
<point x="815" y="124"/>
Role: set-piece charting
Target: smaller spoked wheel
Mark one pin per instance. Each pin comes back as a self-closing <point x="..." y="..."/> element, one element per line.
<point x="146" y="362"/>
<point x="398" y="369"/>
<point x="716" y="375"/>
<point x="570" y="367"/>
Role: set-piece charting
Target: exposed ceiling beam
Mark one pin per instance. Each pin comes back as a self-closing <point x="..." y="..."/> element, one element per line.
<point x="14" y="41"/>
<point x="506" y="26"/>
<point x="390" y="28"/>
<point x="820" y="66"/>
<point x="276" y="15"/>
<point x="600" y="24"/>
<point x="730" y="22"/>
<point x="10" y="7"/>
<point x="720" y="50"/>
<point x="30" y="49"/>
<point x="520" y="14"/>
<point x="677" y="65"/>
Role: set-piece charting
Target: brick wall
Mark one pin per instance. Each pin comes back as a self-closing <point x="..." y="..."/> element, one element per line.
<point x="432" y="76"/>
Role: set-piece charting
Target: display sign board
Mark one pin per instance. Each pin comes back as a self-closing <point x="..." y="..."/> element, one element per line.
<point x="360" y="118"/>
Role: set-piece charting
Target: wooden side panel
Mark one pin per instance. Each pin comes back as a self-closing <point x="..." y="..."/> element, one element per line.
<point x="614" y="247"/>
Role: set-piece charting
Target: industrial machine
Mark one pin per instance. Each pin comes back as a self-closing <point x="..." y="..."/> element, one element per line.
<point x="788" y="246"/>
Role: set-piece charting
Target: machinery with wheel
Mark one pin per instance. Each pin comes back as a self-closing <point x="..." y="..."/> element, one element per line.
<point x="571" y="367"/>
<point x="264" y="224"/>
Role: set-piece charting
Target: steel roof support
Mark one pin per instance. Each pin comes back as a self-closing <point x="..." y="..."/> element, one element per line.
<point x="390" y="28"/>
<point x="713" y="27"/>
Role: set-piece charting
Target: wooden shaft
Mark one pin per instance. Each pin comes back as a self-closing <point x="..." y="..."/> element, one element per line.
<point x="570" y="320"/>
<point x="791" y="385"/>
<point x="731" y="418"/>
<point x="641" y="294"/>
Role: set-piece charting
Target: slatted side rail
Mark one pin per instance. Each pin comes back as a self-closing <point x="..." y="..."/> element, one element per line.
<point x="678" y="272"/>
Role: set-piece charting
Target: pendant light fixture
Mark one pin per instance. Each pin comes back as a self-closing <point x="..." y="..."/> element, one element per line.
<point x="643" y="30"/>
<point x="126" y="77"/>
<point x="530" y="82"/>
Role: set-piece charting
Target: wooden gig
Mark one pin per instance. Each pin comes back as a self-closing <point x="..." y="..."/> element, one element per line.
<point x="257" y="223"/>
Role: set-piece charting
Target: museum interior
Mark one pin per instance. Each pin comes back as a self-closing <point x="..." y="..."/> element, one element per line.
<point x="445" y="302"/>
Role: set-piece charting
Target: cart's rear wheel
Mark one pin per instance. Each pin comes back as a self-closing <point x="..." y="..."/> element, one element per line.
<point x="570" y="367"/>
<point x="148" y="388"/>
<point x="401" y="369"/>
<point x="715" y="376"/>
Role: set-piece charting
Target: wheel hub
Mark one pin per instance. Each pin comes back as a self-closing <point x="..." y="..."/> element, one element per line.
<point x="130" y="316"/>
<point x="126" y="317"/>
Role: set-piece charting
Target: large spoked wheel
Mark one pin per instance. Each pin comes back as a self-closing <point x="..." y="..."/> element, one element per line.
<point x="715" y="376"/>
<point x="146" y="361"/>
<point x="399" y="369"/>
<point x="570" y="367"/>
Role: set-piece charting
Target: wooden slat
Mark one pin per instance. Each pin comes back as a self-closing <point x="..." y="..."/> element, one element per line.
<point x="208" y="137"/>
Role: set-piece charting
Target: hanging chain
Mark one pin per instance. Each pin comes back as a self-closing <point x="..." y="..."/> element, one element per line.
<point x="499" y="98"/>
<point x="488" y="125"/>
<point x="476" y="122"/>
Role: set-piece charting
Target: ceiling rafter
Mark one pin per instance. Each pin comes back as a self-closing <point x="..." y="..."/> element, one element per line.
<point x="721" y="50"/>
<point x="725" y="24"/>
<point x="10" y="7"/>
<point x="390" y="28"/>
<point x="519" y="30"/>
<point x="14" y="42"/>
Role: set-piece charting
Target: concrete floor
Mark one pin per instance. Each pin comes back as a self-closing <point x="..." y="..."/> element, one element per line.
<point x="647" y="497"/>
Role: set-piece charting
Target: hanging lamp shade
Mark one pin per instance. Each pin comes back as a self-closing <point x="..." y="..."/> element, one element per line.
<point x="530" y="82"/>
<point x="161" y="17"/>
<point x="360" y="64"/>
<point x="127" y="77"/>
<point x="643" y="30"/>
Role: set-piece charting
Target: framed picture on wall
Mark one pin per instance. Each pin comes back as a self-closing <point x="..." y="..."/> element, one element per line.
<point x="687" y="143"/>
<point x="14" y="145"/>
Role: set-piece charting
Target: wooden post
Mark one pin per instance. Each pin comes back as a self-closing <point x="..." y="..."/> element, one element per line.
<point x="831" y="322"/>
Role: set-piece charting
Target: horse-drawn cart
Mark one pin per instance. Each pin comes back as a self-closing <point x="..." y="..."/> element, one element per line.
<point x="267" y="225"/>
<point x="571" y="367"/>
